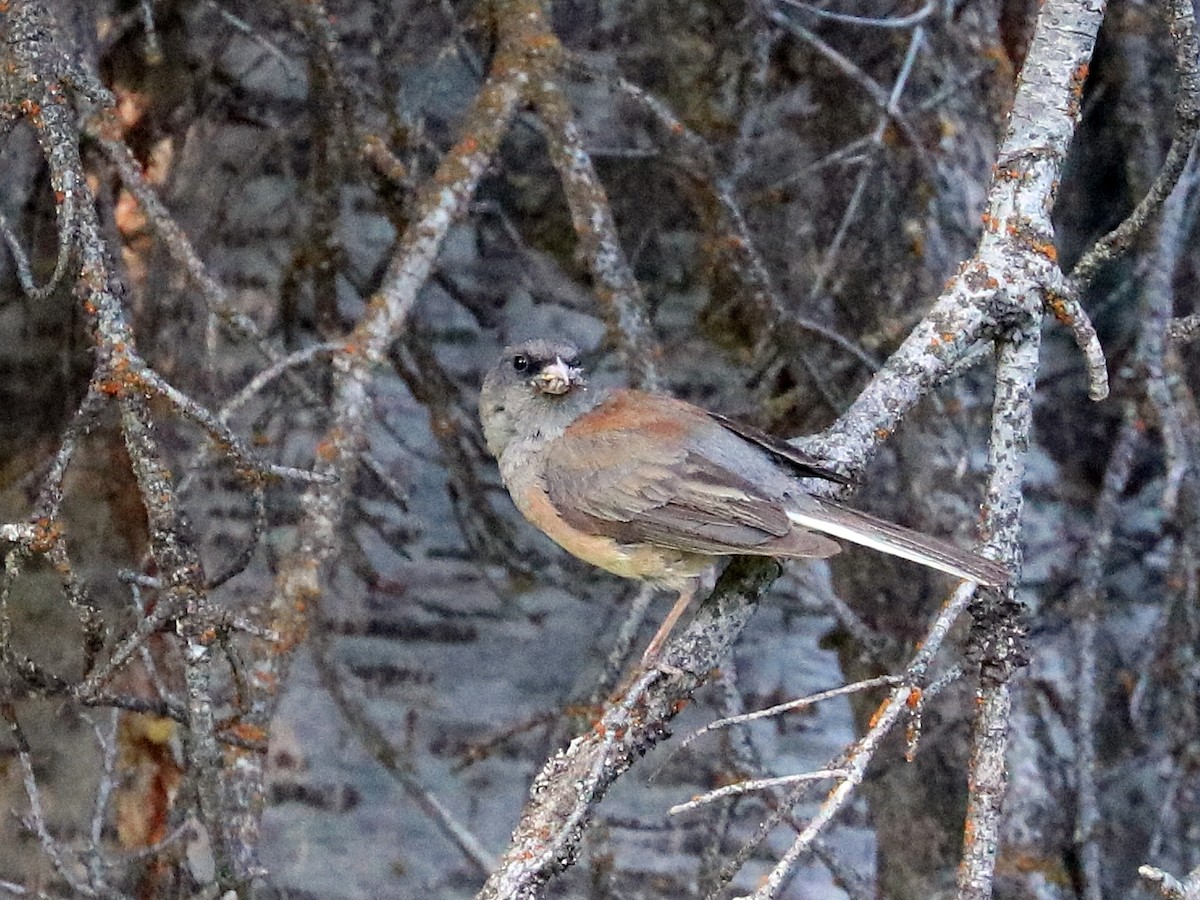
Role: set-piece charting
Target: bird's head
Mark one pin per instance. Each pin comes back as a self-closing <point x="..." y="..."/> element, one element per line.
<point x="535" y="387"/>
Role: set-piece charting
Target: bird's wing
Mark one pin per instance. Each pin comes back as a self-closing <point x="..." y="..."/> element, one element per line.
<point x="636" y="469"/>
<point x="782" y="451"/>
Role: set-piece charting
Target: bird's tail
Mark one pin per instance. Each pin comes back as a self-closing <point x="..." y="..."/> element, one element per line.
<point x="832" y="518"/>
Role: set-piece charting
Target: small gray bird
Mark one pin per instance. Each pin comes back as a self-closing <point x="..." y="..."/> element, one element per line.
<point x="653" y="488"/>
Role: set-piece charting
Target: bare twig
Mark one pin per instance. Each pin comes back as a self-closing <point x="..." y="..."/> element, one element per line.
<point x="1170" y="888"/>
<point x="908" y="21"/>
<point x="443" y="199"/>
<point x="392" y="758"/>
<point x="616" y="288"/>
<point x="1087" y="600"/>
<point x="755" y="784"/>
<point x="792" y="705"/>
<point x="1182" y="24"/>
<point x="571" y="783"/>
<point x="860" y="754"/>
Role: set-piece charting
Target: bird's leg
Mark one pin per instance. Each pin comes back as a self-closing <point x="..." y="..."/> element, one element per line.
<point x="650" y="657"/>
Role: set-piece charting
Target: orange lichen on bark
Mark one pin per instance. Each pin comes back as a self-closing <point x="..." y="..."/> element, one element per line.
<point x="250" y="733"/>
<point x="1058" y="306"/>
<point x="1047" y="249"/>
<point x="875" y="716"/>
<point x="46" y="533"/>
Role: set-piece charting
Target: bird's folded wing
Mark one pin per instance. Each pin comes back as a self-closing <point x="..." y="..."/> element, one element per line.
<point x="783" y="452"/>
<point x="653" y="484"/>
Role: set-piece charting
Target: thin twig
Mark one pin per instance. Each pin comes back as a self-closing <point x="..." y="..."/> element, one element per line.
<point x="792" y="705"/>
<point x="755" y="784"/>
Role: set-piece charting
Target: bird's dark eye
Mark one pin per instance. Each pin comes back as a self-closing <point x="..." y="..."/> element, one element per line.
<point x="522" y="363"/>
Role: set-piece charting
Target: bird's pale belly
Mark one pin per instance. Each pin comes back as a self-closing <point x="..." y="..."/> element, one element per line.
<point x="642" y="561"/>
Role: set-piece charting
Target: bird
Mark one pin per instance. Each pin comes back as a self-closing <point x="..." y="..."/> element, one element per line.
<point x="653" y="488"/>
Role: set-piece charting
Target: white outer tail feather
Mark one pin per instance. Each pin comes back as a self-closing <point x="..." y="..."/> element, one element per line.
<point x="870" y="532"/>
